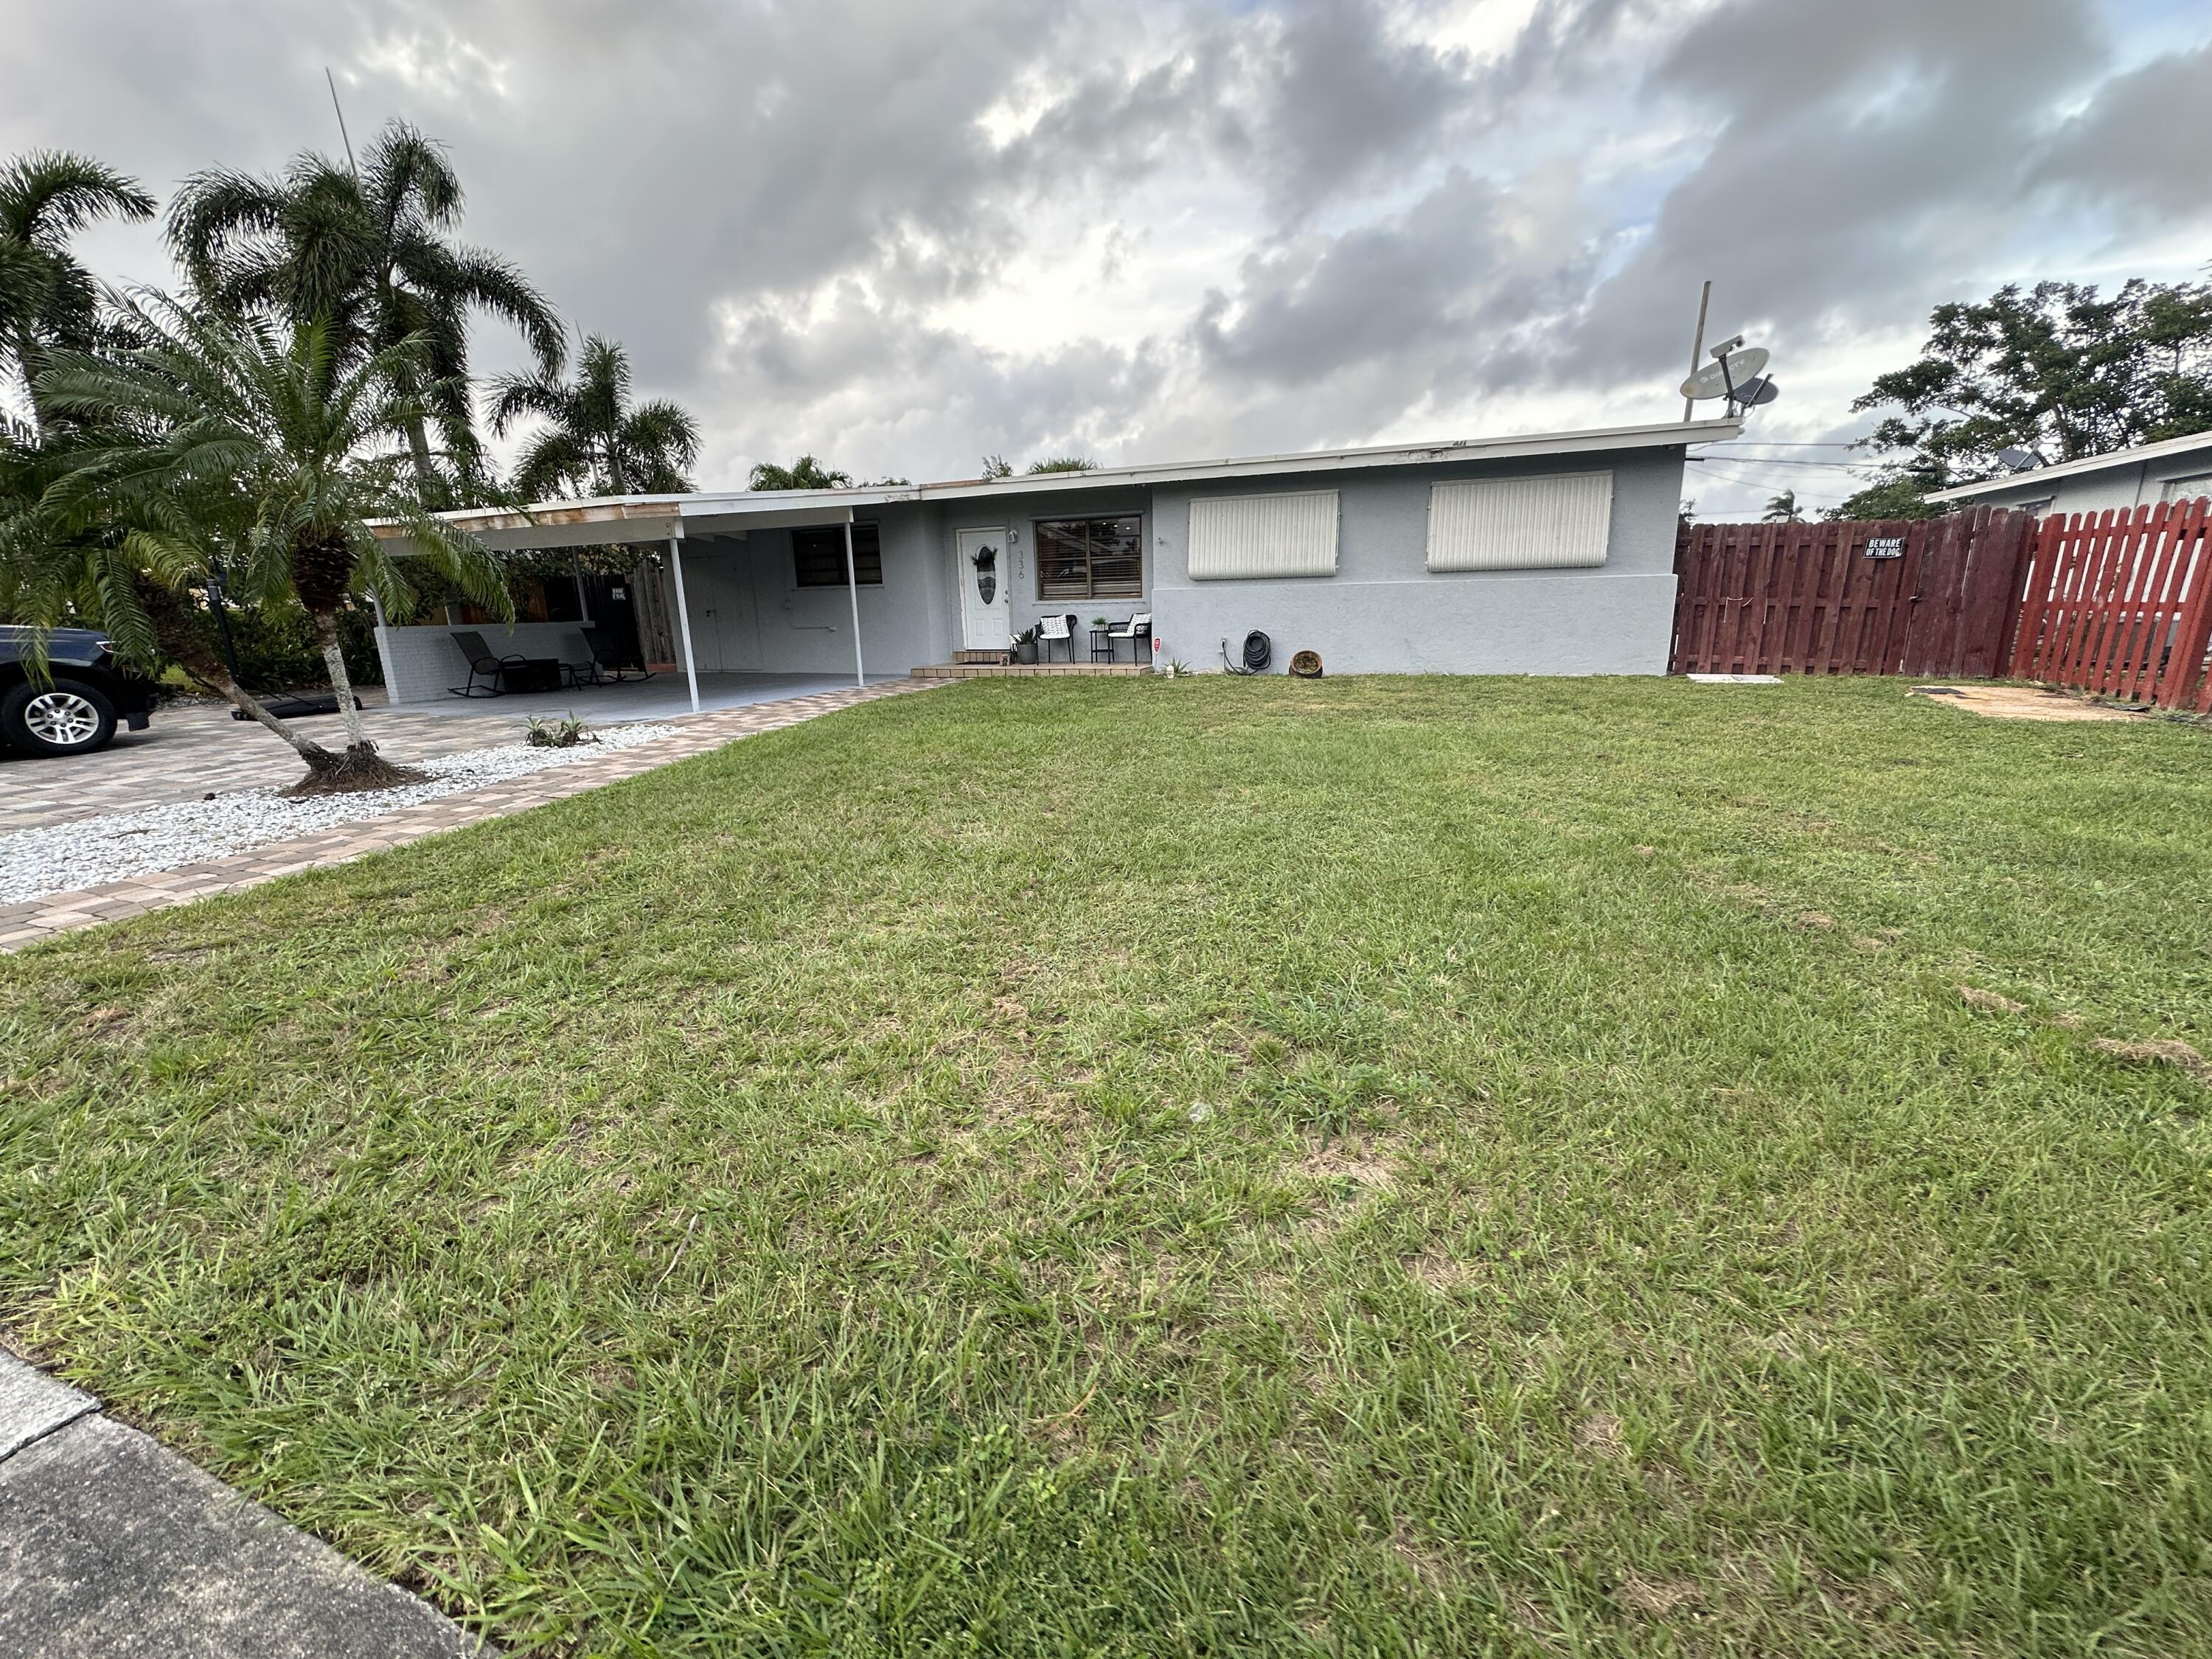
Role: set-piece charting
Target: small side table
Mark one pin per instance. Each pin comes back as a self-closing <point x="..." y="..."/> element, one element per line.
<point x="1102" y="645"/>
<point x="533" y="674"/>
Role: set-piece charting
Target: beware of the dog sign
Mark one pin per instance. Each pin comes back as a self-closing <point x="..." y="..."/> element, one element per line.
<point x="1886" y="547"/>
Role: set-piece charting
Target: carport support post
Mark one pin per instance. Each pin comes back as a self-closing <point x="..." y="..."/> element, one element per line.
<point x="684" y="620"/>
<point x="853" y="587"/>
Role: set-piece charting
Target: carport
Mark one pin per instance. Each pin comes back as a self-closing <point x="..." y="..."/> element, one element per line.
<point x="417" y="657"/>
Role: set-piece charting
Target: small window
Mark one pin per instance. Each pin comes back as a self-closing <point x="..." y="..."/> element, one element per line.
<point x="2186" y="489"/>
<point x="818" y="555"/>
<point x="1091" y="558"/>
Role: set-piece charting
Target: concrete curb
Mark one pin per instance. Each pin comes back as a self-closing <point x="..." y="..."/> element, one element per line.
<point x="114" y="1547"/>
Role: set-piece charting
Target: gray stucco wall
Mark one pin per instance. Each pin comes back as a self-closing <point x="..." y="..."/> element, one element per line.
<point x="421" y="664"/>
<point x="1385" y="612"/>
<point x="749" y="615"/>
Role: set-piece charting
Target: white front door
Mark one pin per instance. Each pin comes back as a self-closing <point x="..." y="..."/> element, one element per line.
<point x="983" y="570"/>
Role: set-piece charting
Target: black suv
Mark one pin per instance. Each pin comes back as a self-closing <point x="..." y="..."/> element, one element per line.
<point x="73" y="709"/>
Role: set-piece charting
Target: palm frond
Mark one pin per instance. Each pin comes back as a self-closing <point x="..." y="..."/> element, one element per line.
<point x="48" y="196"/>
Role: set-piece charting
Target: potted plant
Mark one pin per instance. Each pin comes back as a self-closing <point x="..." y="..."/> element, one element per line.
<point x="1026" y="645"/>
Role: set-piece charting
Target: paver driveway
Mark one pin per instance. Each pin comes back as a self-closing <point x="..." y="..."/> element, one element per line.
<point x="192" y="752"/>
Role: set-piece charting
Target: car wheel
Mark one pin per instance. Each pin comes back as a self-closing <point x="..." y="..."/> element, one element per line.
<point x="65" y="718"/>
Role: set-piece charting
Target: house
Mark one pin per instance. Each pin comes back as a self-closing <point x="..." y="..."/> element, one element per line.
<point x="2175" y="470"/>
<point x="1550" y="553"/>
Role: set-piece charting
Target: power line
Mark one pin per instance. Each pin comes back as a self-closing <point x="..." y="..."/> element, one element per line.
<point x="1738" y="478"/>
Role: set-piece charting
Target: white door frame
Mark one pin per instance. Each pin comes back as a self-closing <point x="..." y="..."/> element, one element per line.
<point x="964" y="576"/>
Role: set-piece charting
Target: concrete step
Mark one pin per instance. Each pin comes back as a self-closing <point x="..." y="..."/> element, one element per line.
<point x="971" y="671"/>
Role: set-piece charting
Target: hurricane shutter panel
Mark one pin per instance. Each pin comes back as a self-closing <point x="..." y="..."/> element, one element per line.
<point x="1247" y="536"/>
<point x="1559" y="522"/>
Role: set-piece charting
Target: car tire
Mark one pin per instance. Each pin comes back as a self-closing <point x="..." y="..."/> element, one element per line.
<point x="63" y="717"/>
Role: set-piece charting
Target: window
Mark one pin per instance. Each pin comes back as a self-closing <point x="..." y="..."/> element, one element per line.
<point x="1556" y="522"/>
<point x="818" y="555"/>
<point x="1091" y="558"/>
<point x="2186" y="489"/>
<point x="1285" y="534"/>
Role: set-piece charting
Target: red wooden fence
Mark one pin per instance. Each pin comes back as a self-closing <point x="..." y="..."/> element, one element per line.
<point x="1822" y="598"/>
<point x="2120" y="603"/>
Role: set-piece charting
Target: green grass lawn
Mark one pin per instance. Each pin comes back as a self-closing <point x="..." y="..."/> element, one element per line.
<point x="1378" y="1167"/>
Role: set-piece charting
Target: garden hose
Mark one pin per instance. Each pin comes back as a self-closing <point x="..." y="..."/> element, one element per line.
<point x="1259" y="651"/>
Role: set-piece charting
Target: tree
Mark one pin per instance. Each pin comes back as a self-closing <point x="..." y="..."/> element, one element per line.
<point x="371" y="255"/>
<point x="1900" y="493"/>
<point x="1784" y="509"/>
<point x="48" y="301"/>
<point x="594" y="440"/>
<point x="1063" y="464"/>
<point x="998" y="466"/>
<point x="276" y="448"/>
<point x="2058" y="369"/>
<point x="804" y="473"/>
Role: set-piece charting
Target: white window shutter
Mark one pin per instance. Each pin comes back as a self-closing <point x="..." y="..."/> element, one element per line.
<point x="1245" y="536"/>
<point x="1555" y="522"/>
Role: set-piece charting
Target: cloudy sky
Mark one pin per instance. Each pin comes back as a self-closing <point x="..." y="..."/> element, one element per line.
<point x="901" y="236"/>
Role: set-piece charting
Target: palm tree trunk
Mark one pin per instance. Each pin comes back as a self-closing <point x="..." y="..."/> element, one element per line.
<point x="360" y="768"/>
<point x="27" y="356"/>
<point x="326" y="635"/>
<point x="427" y="483"/>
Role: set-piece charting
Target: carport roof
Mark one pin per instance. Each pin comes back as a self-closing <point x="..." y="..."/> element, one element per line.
<point x="663" y="517"/>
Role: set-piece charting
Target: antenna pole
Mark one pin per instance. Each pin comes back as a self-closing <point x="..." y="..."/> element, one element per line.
<point x="354" y="167"/>
<point x="1697" y="346"/>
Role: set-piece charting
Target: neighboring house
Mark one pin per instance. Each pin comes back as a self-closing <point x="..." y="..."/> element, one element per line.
<point x="1542" y="555"/>
<point x="2176" y="469"/>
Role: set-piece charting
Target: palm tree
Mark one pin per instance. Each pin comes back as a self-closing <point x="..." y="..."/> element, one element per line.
<point x="1064" y="464"/>
<point x="48" y="301"/>
<point x="1784" y="509"/>
<point x="276" y="449"/>
<point x="368" y="251"/>
<point x="804" y="473"/>
<point x="594" y="440"/>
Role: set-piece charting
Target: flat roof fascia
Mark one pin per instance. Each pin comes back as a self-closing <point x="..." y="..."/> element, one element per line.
<point x="623" y="519"/>
<point x="2142" y="454"/>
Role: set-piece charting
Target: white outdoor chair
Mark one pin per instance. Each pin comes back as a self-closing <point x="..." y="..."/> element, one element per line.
<point x="1055" y="630"/>
<point x="1138" y="631"/>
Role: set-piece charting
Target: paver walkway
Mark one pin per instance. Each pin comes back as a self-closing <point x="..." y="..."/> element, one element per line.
<point x="56" y="912"/>
<point x="114" y="1547"/>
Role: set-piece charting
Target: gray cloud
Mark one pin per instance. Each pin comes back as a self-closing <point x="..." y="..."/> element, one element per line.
<point x="1860" y="157"/>
<point x="1309" y="220"/>
<point x="2144" y="140"/>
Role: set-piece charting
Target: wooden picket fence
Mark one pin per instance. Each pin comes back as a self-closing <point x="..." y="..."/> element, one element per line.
<point x="2120" y="603"/>
<point x="1926" y="597"/>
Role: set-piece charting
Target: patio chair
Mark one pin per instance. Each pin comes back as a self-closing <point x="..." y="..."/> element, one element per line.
<point x="578" y="665"/>
<point x="1055" y="630"/>
<point x="1139" y="633"/>
<point x="484" y="663"/>
<point x="613" y="668"/>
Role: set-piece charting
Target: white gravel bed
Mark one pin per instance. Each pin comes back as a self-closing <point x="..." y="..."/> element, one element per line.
<point x="63" y="858"/>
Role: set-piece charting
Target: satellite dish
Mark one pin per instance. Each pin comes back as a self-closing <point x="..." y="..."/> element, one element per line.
<point x="1715" y="378"/>
<point x="2018" y="460"/>
<point x="1757" y="392"/>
